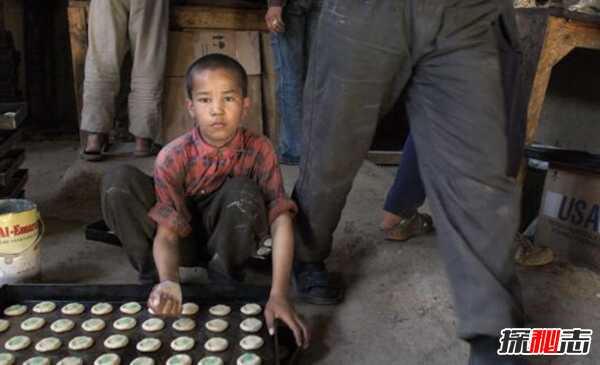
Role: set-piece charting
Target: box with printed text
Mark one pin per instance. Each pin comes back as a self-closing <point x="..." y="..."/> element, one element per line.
<point x="569" y="219"/>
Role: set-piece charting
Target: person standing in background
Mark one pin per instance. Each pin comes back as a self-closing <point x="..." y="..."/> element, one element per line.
<point x="115" y="27"/>
<point x="401" y="217"/>
<point x="293" y="24"/>
<point x="445" y="56"/>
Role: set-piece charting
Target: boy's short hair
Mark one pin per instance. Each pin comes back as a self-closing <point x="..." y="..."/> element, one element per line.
<point x="216" y="61"/>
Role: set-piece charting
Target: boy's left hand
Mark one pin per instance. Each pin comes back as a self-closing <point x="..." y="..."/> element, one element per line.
<point x="279" y="307"/>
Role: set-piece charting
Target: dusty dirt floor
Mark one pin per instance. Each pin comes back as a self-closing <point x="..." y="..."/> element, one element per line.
<point x="398" y="308"/>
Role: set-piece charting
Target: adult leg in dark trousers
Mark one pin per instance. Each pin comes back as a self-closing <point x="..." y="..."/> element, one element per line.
<point x="407" y="193"/>
<point x="445" y="54"/>
<point x="227" y="224"/>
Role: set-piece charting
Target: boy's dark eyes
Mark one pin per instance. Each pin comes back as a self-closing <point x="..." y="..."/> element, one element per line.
<point x="207" y="100"/>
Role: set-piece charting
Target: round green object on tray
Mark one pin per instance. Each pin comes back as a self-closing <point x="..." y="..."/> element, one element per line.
<point x="131" y="308"/>
<point x="108" y="359"/>
<point x="70" y="360"/>
<point x="6" y="358"/>
<point x="4" y="325"/>
<point x="125" y="323"/>
<point x="142" y="360"/>
<point x="37" y="360"/>
<point x="211" y="360"/>
<point x="249" y="358"/>
<point x="181" y="359"/>
<point x="17" y="343"/>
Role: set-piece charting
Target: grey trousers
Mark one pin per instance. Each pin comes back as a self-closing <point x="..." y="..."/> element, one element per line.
<point x="227" y="225"/>
<point x="116" y="26"/>
<point x="444" y="54"/>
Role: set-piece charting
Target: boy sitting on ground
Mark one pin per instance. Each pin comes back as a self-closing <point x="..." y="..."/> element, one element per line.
<point x="216" y="191"/>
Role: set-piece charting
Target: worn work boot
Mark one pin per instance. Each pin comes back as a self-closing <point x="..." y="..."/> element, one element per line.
<point x="314" y="286"/>
<point x="484" y="352"/>
<point x="529" y="254"/>
<point x="417" y="225"/>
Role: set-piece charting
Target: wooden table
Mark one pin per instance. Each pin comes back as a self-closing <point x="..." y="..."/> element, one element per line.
<point x="195" y="15"/>
<point x="561" y="37"/>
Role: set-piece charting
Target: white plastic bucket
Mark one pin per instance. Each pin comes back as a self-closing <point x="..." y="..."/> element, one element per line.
<point x="21" y="230"/>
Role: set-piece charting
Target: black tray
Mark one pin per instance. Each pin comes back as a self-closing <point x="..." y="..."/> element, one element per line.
<point x="576" y="159"/>
<point x="9" y="139"/>
<point x="15" y="186"/>
<point x="278" y="350"/>
<point x="9" y="164"/>
<point x="99" y="231"/>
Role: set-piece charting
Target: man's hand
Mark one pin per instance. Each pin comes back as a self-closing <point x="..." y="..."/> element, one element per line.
<point x="278" y="307"/>
<point x="274" y="19"/>
<point x="165" y="299"/>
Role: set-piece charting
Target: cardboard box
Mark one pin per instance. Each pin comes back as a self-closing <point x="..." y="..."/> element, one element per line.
<point x="185" y="47"/>
<point x="254" y="121"/>
<point x="177" y="121"/>
<point x="569" y="220"/>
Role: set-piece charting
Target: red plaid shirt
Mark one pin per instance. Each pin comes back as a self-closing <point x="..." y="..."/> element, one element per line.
<point x="188" y="166"/>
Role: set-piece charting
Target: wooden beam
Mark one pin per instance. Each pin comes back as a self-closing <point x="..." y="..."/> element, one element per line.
<point x="379" y="157"/>
<point x="208" y="17"/>
<point x="79" y="4"/>
<point x="204" y="17"/>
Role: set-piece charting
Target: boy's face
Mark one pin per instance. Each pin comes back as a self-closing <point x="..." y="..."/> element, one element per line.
<point x="217" y="105"/>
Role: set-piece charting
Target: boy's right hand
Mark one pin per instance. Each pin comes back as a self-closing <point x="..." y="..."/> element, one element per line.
<point x="274" y="19"/>
<point x="165" y="299"/>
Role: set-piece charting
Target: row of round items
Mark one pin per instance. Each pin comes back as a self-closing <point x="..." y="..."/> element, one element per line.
<point x="247" y="358"/>
<point x="118" y="341"/>
<point x="73" y="309"/>
<point x="217" y="325"/>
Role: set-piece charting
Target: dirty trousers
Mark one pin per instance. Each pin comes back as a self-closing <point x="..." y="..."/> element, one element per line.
<point x="116" y="26"/>
<point x="445" y="56"/>
<point x="227" y="225"/>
